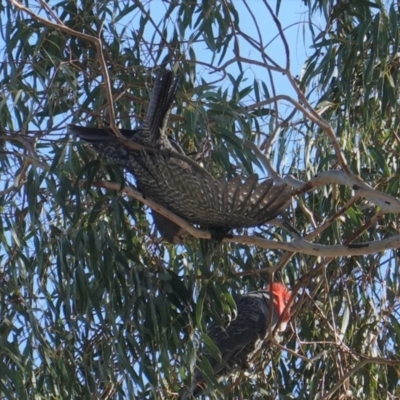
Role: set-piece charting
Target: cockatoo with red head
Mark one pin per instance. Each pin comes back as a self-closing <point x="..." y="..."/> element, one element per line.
<point x="243" y="337"/>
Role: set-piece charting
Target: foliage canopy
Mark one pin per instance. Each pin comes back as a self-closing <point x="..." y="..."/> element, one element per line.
<point x="92" y="303"/>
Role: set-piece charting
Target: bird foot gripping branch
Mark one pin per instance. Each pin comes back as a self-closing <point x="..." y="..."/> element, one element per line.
<point x="184" y="189"/>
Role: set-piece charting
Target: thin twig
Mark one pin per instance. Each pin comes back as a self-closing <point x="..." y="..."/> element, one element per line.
<point x="99" y="46"/>
<point x="361" y="364"/>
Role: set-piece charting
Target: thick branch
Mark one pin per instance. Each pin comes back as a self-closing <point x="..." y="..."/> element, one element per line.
<point x="298" y="245"/>
<point x="304" y="247"/>
<point x="198" y="233"/>
<point x="386" y="202"/>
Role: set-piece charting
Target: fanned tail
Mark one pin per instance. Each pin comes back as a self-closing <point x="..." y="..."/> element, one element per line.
<point x="197" y="197"/>
<point x="213" y="203"/>
<point x="244" y="195"/>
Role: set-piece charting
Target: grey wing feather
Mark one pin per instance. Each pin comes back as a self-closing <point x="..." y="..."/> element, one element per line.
<point x="240" y="339"/>
<point x="196" y="197"/>
<point x="237" y="340"/>
<point x="192" y="195"/>
<point x="240" y="201"/>
<point x="161" y="100"/>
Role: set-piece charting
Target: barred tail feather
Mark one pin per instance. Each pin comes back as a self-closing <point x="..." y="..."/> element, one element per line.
<point x="197" y="197"/>
<point x="241" y="200"/>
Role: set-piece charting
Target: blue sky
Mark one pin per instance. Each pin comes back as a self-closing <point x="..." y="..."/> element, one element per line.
<point x="292" y="16"/>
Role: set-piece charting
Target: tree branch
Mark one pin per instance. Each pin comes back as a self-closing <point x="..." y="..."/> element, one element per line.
<point x="314" y="249"/>
<point x="98" y="44"/>
<point x="198" y="233"/>
<point x="361" y="364"/>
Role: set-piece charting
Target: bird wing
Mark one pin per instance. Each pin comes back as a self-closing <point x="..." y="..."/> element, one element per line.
<point x="161" y="100"/>
<point x="202" y="199"/>
<point x="238" y="341"/>
<point x="195" y="196"/>
<point x="152" y="132"/>
<point x="192" y="195"/>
